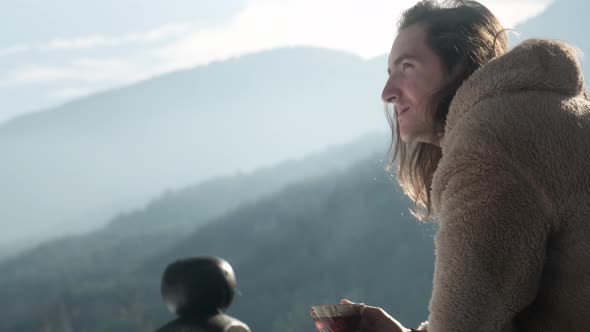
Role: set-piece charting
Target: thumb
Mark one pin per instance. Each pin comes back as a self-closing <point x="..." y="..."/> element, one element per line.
<point x="345" y="301"/>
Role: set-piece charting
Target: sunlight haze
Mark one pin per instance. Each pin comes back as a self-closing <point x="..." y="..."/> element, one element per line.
<point x="42" y="71"/>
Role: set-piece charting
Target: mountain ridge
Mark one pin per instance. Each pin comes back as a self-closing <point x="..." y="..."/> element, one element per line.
<point x="63" y="163"/>
<point x="341" y="235"/>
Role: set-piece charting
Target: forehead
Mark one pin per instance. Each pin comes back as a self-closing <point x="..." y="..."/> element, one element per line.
<point x="410" y="40"/>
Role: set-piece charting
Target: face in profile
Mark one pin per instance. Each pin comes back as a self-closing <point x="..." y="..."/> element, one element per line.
<point x="415" y="74"/>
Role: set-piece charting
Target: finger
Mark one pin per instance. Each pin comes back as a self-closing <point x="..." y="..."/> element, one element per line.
<point x="373" y="312"/>
<point x="345" y="301"/>
<point x="375" y="318"/>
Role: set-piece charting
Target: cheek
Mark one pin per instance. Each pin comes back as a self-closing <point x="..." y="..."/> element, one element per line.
<point x="422" y="92"/>
<point x="417" y="89"/>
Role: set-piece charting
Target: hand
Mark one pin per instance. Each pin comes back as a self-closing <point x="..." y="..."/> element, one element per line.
<point x="375" y="319"/>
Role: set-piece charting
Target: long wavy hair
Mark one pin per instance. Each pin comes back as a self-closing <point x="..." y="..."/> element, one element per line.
<point x="465" y="35"/>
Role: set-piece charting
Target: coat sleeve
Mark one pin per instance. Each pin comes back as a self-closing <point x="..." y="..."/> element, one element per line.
<point x="490" y="246"/>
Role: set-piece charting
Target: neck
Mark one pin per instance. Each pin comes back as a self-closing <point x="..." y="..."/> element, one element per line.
<point x="438" y="140"/>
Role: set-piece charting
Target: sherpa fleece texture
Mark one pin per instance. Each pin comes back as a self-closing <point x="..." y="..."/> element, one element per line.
<point x="512" y="196"/>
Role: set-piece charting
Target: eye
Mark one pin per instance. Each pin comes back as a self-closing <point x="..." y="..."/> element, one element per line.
<point x="407" y="65"/>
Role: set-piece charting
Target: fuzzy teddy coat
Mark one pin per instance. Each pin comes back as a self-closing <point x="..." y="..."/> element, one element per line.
<point x="512" y="197"/>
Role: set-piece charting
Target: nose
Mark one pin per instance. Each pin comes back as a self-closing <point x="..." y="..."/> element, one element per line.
<point x="390" y="91"/>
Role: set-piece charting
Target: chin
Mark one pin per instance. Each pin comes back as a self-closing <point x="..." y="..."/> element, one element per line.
<point x="406" y="139"/>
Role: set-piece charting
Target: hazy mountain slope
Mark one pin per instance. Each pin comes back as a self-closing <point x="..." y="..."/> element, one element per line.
<point x="564" y="20"/>
<point x="73" y="167"/>
<point x="171" y="215"/>
<point x="118" y="248"/>
<point x="347" y="234"/>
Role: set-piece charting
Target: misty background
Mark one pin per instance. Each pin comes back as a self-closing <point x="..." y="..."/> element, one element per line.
<point x="132" y="135"/>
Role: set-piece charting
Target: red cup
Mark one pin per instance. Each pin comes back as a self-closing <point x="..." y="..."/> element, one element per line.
<point x="336" y="317"/>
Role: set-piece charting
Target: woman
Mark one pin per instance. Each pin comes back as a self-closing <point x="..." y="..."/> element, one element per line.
<point x="494" y="145"/>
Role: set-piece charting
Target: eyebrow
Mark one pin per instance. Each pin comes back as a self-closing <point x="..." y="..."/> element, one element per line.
<point x="402" y="57"/>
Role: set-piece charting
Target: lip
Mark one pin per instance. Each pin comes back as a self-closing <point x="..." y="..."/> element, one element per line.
<point x="403" y="111"/>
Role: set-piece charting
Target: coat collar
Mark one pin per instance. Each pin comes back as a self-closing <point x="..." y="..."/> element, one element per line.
<point x="535" y="64"/>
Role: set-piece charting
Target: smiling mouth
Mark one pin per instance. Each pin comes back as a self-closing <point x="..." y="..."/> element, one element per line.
<point x="402" y="111"/>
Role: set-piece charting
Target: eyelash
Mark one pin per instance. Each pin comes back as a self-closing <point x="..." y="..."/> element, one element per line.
<point x="406" y="65"/>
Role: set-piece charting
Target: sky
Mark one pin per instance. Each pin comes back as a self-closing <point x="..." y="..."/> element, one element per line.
<point x="54" y="51"/>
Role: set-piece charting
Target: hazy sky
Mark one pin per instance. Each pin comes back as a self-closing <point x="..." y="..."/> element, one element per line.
<point x="54" y="51"/>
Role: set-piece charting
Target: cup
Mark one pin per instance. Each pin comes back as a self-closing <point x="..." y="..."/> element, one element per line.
<point x="337" y="317"/>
